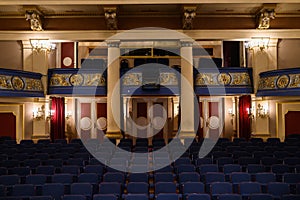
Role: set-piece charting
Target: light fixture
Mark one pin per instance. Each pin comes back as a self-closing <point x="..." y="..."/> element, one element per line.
<point x="38" y="113"/>
<point x="68" y="114"/>
<point x="262" y="111"/>
<point x="50" y="113"/>
<point x="230" y="112"/>
<point x="250" y="113"/>
<point x="260" y="43"/>
<point x="42" y="45"/>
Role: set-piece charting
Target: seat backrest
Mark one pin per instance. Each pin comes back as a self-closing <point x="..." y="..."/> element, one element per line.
<point x="208" y="168"/>
<point x="110" y="188"/>
<point x="62" y="178"/>
<point x="163" y="177"/>
<point x="265" y="177"/>
<point x="248" y="188"/>
<point x="138" y="177"/>
<point x="104" y="197"/>
<point x="165" y="187"/>
<point x="229" y="168"/>
<point x="36" y="179"/>
<point x="9" y="180"/>
<point x="88" y="178"/>
<point x="230" y="197"/>
<point x="56" y="190"/>
<point x="85" y="189"/>
<point x="291" y="197"/>
<point x="221" y="188"/>
<point x="137" y="188"/>
<point x="238" y="177"/>
<point x="23" y="190"/>
<point x="261" y="197"/>
<point x="135" y="197"/>
<point x="278" y="189"/>
<point x="211" y="177"/>
<point x="188" y="177"/>
<point x="46" y="170"/>
<point x="114" y="177"/>
<point x="192" y="187"/>
<point x="74" y="197"/>
<point x="168" y="197"/>
<point x="198" y="197"/>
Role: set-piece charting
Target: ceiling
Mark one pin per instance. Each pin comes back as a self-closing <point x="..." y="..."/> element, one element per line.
<point x="220" y="9"/>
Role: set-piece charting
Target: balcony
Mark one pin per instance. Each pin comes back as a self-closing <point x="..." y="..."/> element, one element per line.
<point x="15" y="83"/>
<point x="284" y="82"/>
<point x="88" y="82"/>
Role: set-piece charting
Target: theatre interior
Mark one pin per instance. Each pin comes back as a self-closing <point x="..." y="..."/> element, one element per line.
<point x="160" y="100"/>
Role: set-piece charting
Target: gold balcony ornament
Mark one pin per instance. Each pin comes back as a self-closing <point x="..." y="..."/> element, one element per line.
<point x="39" y="45"/>
<point x="262" y="111"/>
<point x="261" y="43"/>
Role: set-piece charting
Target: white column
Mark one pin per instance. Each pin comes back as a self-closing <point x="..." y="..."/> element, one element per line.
<point x="113" y="90"/>
<point x="187" y="90"/>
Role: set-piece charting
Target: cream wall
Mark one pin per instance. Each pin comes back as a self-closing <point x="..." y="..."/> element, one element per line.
<point x="11" y="55"/>
<point x="288" y="53"/>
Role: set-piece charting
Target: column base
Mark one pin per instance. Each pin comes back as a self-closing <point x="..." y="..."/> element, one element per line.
<point x="187" y="134"/>
<point x="114" y="134"/>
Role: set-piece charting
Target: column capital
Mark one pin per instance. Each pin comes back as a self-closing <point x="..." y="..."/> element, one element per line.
<point x="113" y="43"/>
<point x="186" y="43"/>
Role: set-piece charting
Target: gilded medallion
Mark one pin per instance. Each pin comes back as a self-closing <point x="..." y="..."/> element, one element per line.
<point x="283" y="81"/>
<point x="76" y="79"/>
<point x="224" y="78"/>
<point x="17" y="83"/>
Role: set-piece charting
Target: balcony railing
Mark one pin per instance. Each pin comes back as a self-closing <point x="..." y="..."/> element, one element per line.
<point x="16" y="83"/>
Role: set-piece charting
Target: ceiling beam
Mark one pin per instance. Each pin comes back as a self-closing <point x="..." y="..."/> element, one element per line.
<point x="122" y="2"/>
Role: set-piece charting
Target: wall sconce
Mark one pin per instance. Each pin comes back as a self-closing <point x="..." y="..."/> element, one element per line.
<point x="261" y="111"/>
<point x="39" y="45"/>
<point x="230" y="112"/>
<point x="250" y="113"/>
<point x="68" y="115"/>
<point x="261" y="43"/>
<point x="49" y="114"/>
<point x="38" y="113"/>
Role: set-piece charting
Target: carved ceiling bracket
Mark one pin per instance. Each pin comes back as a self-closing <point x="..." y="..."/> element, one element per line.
<point x="110" y="14"/>
<point x="264" y="16"/>
<point x="35" y="17"/>
<point x="189" y="13"/>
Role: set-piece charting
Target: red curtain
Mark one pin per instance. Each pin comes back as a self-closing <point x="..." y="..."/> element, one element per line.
<point x="57" y="118"/>
<point x="244" y="120"/>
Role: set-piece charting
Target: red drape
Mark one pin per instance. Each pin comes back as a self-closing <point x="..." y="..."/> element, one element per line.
<point x="244" y="120"/>
<point x="57" y="118"/>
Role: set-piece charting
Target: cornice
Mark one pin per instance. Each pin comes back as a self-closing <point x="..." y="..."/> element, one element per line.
<point x="98" y="35"/>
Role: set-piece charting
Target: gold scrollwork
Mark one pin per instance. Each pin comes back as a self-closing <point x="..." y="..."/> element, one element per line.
<point x="240" y="79"/>
<point x="205" y="79"/>
<point x="295" y="81"/>
<point x="5" y="82"/>
<point x="94" y="80"/>
<point x="60" y="80"/>
<point x="267" y="83"/>
<point x="168" y="79"/>
<point x="33" y="84"/>
<point x="17" y="83"/>
<point x="132" y="79"/>
<point x="283" y="81"/>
